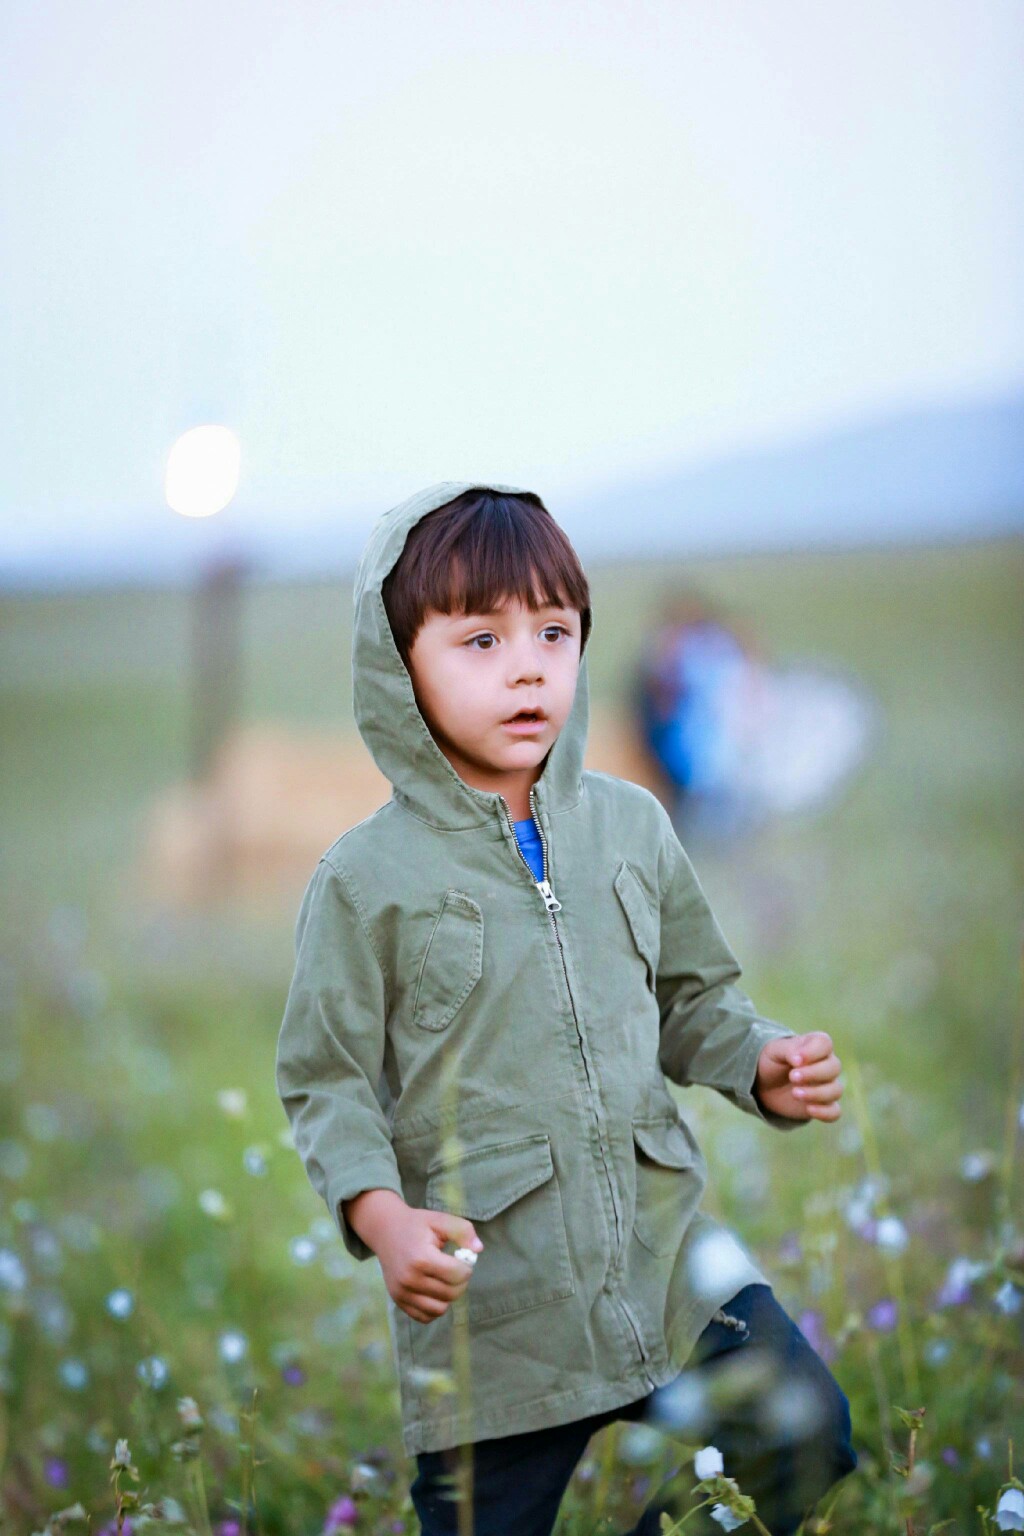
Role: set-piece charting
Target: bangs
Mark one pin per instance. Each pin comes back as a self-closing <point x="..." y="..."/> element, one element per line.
<point x="478" y="553"/>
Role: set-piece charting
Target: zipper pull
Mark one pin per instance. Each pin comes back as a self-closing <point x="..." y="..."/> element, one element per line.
<point x="550" y="899"/>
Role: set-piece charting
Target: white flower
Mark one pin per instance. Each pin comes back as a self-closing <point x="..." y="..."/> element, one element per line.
<point x="212" y="1203"/>
<point x="1007" y="1298"/>
<point x="120" y="1303"/>
<point x="725" y="1517"/>
<point x="233" y="1102"/>
<point x="302" y="1250"/>
<point x="976" y="1165"/>
<point x="716" y="1263"/>
<point x="1010" y="1510"/>
<point x="708" y="1462"/>
<point x="233" y="1346"/>
<point x="891" y="1234"/>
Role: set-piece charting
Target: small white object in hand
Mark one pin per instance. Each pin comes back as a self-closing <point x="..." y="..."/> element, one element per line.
<point x="466" y="1255"/>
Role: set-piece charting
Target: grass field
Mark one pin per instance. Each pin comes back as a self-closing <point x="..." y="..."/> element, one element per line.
<point x="158" y="1239"/>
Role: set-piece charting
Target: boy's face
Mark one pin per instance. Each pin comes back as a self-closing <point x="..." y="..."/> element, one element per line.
<point x="472" y="672"/>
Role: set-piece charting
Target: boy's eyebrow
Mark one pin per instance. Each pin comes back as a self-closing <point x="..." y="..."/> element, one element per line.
<point x="491" y="613"/>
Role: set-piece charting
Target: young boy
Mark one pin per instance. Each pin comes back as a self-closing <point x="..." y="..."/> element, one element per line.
<point x="497" y="975"/>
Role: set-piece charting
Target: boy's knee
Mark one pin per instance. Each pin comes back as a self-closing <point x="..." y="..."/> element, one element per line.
<point x="809" y="1410"/>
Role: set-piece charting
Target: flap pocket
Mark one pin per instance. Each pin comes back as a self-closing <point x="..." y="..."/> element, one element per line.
<point x="643" y="925"/>
<point x="510" y="1191"/>
<point x="452" y="962"/>
<point x="670" y="1178"/>
<point x="666" y="1141"/>
<point x="485" y="1181"/>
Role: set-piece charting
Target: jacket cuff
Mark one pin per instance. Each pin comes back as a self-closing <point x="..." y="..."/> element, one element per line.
<point x="378" y="1173"/>
<point x="760" y="1034"/>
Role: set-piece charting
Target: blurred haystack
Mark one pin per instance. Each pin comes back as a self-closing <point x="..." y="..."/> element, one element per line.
<point x="276" y="798"/>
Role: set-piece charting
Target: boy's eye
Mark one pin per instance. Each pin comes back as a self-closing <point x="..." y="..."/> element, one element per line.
<point x="557" y="629"/>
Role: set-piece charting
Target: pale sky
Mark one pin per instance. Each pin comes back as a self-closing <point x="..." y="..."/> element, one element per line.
<point x="551" y="244"/>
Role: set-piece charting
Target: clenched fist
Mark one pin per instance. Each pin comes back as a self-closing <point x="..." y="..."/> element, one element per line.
<point x="798" y="1077"/>
<point x="409" y="1242"/>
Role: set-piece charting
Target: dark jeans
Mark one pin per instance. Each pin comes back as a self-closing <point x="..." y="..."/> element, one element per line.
<point x="759" y="1393"/>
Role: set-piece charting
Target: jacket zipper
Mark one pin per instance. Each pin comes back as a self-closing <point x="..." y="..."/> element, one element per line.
<point x="553" y="905"/>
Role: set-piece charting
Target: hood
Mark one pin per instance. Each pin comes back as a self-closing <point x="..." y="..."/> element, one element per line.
<point x="386" y="711"/>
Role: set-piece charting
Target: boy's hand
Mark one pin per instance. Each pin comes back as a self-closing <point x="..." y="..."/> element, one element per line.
<point x="421" y="1278"/>
<point x="797" y="1077"/>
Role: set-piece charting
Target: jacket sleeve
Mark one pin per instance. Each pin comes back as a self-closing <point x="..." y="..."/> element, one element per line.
<point x="330" y="1052"/>
<point x="711" y="1032"/>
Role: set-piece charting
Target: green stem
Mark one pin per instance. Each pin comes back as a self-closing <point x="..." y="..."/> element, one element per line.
<point x="689" y="1513"/>
<point x="1005" y="1197"/>
<point x="894" y="1267"/>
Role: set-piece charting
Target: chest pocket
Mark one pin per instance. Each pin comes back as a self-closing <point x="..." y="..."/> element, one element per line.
<point x="670" y="1177"/>
<point x="643" y="925"/>
<point x="511" y="1194"/>
<point x="452" y="962"/>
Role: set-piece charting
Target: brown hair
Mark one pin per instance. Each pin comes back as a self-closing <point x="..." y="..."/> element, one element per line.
<point x="476" y="552"/>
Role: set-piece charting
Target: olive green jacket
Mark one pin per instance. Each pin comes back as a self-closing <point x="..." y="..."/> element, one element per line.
<point x="495" y="1047"/>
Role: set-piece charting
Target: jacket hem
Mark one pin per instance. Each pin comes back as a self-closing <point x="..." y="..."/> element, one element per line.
<point x="538" y="1413"/>
<point x="557" y="1408"/>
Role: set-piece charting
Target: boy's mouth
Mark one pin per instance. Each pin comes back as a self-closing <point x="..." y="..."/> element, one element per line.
<point x="525" y="720"/>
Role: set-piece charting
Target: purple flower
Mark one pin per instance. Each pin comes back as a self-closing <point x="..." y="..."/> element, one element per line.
<point x="342" y="1513"/>
<point x="790" y="1250"/>
<point x="812" y="1326"/>
<point x="882" y="1315"/>
<point x="293" y="1375"/>
<point x="951" y="1456"/>
<point x="56" y="1472"/>
<point x="229" y="1527"/>
<point x="956" y="1287"/>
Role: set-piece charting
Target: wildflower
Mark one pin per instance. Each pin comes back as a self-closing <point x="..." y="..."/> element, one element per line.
<point x="233" y="1346"/>
<point x="302" y="1249"/>
<point x="956" y="1287"/>
<point x="12" y="1271"/>
<point x="188" y="1413"/>
<point x="812" y="1326"/>
<point x="120" y="1303"/>
<point x="951" y="1456"/>
<point x="640" y="1445"/>
<point x="882" y="1315"/>
<point x="74" y="1374"/>
<point x="1007" y="1298"/>
<point x="1009" y="1514"/>
<point x="708" y="1462"/>
<point x="254" y="1161"/>
<point x="152" y="1371"/>
<point x="165" y="1511"/>
<point x="681" y="1405"/>
<point x="55" y="1471"/>
<point x="364" y="1475"/>
<point x="975" y="1166"/>
<point x="725" y="1517"/>
<point x="212" y="1203"/>
<point x="122" y="1455"/>
<point x="891" y="1234"/>
<point x="233" y="1101"/>
<point x="342" y="1513"/>
<point x="715" y="1262"/>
